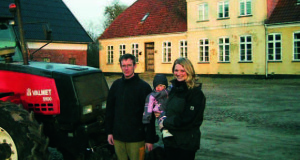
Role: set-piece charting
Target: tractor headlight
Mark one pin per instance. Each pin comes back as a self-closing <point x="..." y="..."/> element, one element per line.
<point x="103" y="104"/>
<point x="87" y="109"/>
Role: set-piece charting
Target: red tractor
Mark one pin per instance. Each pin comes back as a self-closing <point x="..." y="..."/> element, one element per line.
<point x="47" y="104"/>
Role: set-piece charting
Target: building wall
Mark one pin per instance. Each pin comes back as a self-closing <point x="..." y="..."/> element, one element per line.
<point x="234" y="66"/>
<point x="232" y="27"/>
<point x="159" y="65"/>
<point x="259" y="14"/>
<point x="60" y="53"/>
<point x="287" y="65"/>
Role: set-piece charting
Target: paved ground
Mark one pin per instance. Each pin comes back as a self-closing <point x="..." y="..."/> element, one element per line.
<point x="249" y="119"/>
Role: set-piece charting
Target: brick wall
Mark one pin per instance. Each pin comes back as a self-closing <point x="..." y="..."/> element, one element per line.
<point x="61" y="56"/>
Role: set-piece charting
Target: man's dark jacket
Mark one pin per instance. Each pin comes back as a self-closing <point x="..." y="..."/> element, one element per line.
<point x="124" y="111"/>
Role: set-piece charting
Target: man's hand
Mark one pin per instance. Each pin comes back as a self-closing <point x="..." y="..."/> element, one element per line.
<point x="149" y="146"/>
<point x="110" y="139"/>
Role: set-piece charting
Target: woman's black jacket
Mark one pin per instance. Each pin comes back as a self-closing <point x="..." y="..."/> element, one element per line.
<point x="184" y="113"/>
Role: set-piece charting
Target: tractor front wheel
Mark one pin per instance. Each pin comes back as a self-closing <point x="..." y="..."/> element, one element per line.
<point x="21" y="136"/>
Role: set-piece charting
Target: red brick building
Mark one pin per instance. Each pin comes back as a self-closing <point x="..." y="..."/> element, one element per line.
<point x="68" y="42"/>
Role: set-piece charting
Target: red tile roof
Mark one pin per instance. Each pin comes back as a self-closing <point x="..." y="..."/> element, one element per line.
<point x="165" y="16"/>
<point x="286" y="11"/>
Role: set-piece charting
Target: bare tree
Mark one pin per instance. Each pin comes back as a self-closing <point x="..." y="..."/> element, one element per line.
<point x="112" y="12"/>
<point x="93" y="29"/>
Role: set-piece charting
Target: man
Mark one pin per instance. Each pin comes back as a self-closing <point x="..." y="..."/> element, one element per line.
<point x="124" y="112"/>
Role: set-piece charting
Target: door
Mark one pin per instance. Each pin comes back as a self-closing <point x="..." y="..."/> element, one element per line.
<point x="149" y="53"/>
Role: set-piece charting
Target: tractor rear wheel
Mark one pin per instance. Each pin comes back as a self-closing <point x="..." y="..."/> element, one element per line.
<point x="21" y="136"/>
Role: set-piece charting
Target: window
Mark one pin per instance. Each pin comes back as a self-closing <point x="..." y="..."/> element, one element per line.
<point x="183" y="48"/>
<point x="274" y="47"/>
<point x="203" y="12"/>
<point x="223" y="9"/>
<point x="110" y="54"/>
<point x="245" y="7"/>
<point x="297" y="46"/>
<point x="46" y="59"/>
<point x="167" y="51"/>
<point x="224" y="49"/>
<point x="72" y="61"/>
<point x="135" y="51"/>
<point x="204" y="50"/>
<point x="145" y="17"/>
<point x="122" y="49"/>
<point x="245" y="48"/>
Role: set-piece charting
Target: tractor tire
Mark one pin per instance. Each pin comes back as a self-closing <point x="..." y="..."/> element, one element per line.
<point x="22" y="133"/>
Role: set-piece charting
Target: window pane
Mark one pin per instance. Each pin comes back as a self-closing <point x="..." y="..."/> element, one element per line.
<point x="249" y="57"/>
<point x="248" y="7"/>
<point x="270" y="37"/>
<point x="242" y="8"/>
<point x="226" y="10"/>
<point x="221" y="40"/>
<point x="206" y="41"/>
<point x="201" y="42"/>
<point x="243" y="47"/>
<point x="206" y="11"/>
<point x="226" y="40"/>
<point x="249" y="39"/>
<point x="278" y="37"/>
<point x="242" y="39"/>
<point x="270" y="45"/>
<point x="248" y="46"/>
<point x="297" y="36"/>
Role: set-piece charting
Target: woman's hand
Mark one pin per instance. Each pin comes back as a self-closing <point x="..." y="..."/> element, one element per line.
<point x="157" y="114"/>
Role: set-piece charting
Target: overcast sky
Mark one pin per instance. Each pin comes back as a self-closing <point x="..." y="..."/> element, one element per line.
<point x="91" y="10"/>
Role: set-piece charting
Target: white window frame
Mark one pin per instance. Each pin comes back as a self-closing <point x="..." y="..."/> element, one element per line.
<point x="46" y="59"/>
<point x="296" y="46"/>
<point x="245" y="6"/>
<point x="183" y="48"/>
<point x="275" y="47"/>
<point x="167" y="51"/>
<point x="222" y="5"/>
<point x="110" y="54"/>
<point x="203" y="54"/>
<point x="122" y="49"/>
<point x="225" y="52"/>
<point x="135" y="51"/>
<point x="247" y="48"/>
<point x="72" y="61"/>
<point x="203" y="12"/>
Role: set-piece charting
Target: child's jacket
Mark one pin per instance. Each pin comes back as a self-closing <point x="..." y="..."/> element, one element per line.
<point x="155" y="102"/>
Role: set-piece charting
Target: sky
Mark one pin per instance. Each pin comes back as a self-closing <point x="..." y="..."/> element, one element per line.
<point x="92" y="11"/>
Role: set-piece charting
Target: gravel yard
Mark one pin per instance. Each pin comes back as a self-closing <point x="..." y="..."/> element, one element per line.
<point x="248" y="119"/>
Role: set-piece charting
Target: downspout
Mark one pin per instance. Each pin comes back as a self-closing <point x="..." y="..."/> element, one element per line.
<point x="266" y="52"/>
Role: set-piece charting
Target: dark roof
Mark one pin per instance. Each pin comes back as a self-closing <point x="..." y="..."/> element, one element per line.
<point x="36" y="13"/>
<point x="165" y="16"/>
<point x="286" y="11"/>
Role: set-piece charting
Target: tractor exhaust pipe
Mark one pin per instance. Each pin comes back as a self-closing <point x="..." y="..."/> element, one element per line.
<point x="17" y="12"/>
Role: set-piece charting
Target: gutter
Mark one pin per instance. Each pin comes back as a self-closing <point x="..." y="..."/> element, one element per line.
<point x="266" y="51"/>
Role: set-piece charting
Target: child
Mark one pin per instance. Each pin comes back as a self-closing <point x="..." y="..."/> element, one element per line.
<point x="155" y="101"/>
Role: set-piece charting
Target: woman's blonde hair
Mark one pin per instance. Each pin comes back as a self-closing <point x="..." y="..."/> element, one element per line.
<point x="189" y="69"/>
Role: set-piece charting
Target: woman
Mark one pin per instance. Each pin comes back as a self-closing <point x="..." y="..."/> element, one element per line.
<point x="184" y="113"/>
